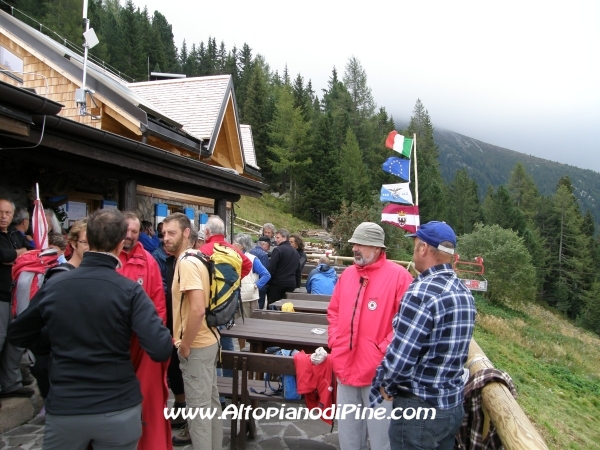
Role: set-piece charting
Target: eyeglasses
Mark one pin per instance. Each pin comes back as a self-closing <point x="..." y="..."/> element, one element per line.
<point x="83" y="242"/>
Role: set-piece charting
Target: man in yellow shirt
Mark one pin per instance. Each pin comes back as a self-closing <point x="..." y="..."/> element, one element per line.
<point x="197" y="344"/>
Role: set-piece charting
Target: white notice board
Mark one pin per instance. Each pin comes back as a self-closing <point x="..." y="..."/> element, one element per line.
<point x="76" y="210"/>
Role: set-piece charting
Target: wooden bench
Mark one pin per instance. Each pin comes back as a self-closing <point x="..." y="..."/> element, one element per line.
<point x="239" y="387"/>
<point x="319" y="319"/>
<point x="306" y="296"/>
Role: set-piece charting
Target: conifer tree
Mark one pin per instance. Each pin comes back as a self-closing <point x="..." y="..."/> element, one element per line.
<point x="257" y="116"/>
<point x="245" y="66"/>
<point x="183" y="56"/>
<point x="132" y="59"/>
<point x="432" y="190"/>
<point x="569" y="273"/>
<point x="321" y="197"/>
<point x="289" y="139"/>
<point x="464" y="209"/>
<point x="355" y="80"/>
<point x="164" y="30"/>
<point x="65" y="18"/>
<point x="354" y="180"/>
<point x="499" y="209"/>
<point x="523" y="190"/>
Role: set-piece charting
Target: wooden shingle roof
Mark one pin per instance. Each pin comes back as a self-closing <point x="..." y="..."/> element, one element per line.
<point x="248" y="146"/>
<point x="196" y="103"/>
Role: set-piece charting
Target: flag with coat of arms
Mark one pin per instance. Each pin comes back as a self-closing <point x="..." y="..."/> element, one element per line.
<point x="401" y="216"/>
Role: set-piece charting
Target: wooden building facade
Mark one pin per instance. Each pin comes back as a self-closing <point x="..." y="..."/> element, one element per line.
<point x="136" y="149"/>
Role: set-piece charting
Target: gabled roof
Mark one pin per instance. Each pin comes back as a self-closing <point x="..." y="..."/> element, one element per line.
<point x="206" y="108"/>
<point x="198" y="103"/>
<point x="248" y="145"/>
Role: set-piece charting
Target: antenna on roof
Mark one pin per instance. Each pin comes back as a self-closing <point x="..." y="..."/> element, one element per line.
<point x="91" y="40"/>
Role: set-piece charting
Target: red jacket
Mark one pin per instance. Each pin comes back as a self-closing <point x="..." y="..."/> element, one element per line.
<point x="140" y="266"/>
<point x="207" y="249"/>
<point x="317" y="382"/>
<point x="360" y="313"/>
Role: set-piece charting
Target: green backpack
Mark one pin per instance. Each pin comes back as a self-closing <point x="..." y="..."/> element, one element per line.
<point x="224" y="271"/>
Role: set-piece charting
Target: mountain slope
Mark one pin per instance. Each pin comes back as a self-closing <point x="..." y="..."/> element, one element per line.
<point x="491" y="165"/>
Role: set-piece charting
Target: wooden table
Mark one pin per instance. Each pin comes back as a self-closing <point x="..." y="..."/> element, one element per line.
<point x="305" y="305"/>
<point x="270" y="333"/>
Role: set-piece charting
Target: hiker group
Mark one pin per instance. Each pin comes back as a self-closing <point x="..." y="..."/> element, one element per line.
<point x="115" y="326"/>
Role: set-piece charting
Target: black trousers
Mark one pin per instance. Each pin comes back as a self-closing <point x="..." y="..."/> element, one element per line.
<point x="174" y="374"/>
<point x="275" y="293"/>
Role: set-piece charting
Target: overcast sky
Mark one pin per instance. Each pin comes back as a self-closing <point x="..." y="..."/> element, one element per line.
<point x="524" y="75"/>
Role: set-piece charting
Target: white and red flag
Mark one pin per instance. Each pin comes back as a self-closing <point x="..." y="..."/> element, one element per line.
<point x="39" y="224"/>
<point x="401" y="216"/>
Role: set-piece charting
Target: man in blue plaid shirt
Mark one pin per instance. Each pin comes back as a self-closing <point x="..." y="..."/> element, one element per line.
<point x="423" y="365"/>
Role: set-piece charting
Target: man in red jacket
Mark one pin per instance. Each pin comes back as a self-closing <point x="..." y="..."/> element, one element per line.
<point x="214" y="231"/>
<point x="139" y="265"/>
<point x="360" y="313"/>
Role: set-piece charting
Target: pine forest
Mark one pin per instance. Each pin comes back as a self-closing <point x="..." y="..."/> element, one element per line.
<point x="323" y="152"/>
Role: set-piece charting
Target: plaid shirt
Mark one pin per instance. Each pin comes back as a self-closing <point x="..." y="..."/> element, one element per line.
<point x="432" y="333"/>
<point x="470" y="436"/>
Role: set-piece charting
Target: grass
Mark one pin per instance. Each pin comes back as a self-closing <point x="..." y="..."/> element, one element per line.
<point x="555" y="366"/>
<point x="270" y="209"/>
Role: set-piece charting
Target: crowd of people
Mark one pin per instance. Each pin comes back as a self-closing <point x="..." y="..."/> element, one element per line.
<point x="122" y="319"/>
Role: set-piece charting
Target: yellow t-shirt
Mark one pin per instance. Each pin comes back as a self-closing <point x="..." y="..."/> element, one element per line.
<point x="190" y="274"/>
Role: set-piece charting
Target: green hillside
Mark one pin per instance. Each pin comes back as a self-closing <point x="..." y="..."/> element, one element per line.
<point x="554" y="365"/>
<point x="491" y="165"/>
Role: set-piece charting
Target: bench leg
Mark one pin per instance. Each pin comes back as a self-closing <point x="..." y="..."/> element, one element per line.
<point x="251" y="423"/>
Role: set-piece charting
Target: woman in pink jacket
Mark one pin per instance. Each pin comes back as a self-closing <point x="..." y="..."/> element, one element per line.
<point x="363" y="304"/>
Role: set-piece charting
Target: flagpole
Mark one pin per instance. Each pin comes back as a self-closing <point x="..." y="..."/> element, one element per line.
<point x="416" y="176"/>
<point x="37" y="191"/>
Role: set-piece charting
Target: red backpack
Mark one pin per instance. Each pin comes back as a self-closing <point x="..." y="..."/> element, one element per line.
<point x="29" y="274"/>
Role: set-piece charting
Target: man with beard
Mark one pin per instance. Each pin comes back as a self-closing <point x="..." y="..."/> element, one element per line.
<point x="363" y="304"/>
<point x="196" y="342"/>
<point x="139" y="265"/>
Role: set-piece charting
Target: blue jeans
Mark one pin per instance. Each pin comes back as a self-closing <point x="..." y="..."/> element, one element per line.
<point x="424" y="433"/>
<point x="262" y="294"/>
<point x="226" y="344"/>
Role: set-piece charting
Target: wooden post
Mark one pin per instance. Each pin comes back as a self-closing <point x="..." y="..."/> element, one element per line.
<point x="221" y="209"/>
<point x="416" y="173"/>
<point x="513" y="426"/>
<point x="127" y="195"/>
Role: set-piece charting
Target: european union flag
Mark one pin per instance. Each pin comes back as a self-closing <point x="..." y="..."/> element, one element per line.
<point x="398" y="167"/>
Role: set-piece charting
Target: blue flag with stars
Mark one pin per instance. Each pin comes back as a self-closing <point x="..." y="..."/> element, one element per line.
<point x="398" y="167"/>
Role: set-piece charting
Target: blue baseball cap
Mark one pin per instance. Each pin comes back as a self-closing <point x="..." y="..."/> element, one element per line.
<point x="434" y="233"/>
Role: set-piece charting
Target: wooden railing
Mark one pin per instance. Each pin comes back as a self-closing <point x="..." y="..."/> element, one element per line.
<point x="336" y="260"/>
<point x="514" y="428"/>
<point x="247" y="226"/>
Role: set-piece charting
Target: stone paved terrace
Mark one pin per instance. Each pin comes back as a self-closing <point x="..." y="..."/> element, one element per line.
<point x="271" y="434"/>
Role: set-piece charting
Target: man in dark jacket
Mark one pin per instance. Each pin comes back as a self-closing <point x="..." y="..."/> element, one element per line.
<point x="284" y="267"/>
<point x="322" y="279"/>
<point x="85" y="317"/>
<point x="18" y="229"/>
<point x="11" y="246"/>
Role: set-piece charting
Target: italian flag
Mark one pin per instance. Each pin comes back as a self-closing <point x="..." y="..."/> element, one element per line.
<point x="399" y="143"/>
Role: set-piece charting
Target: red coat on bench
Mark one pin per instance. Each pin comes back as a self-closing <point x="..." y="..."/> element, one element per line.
<point x="316" y="382"/>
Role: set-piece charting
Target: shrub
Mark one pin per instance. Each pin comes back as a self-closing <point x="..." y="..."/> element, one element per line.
<point x="508" y="266"/>
<point x="351" y="216"/>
